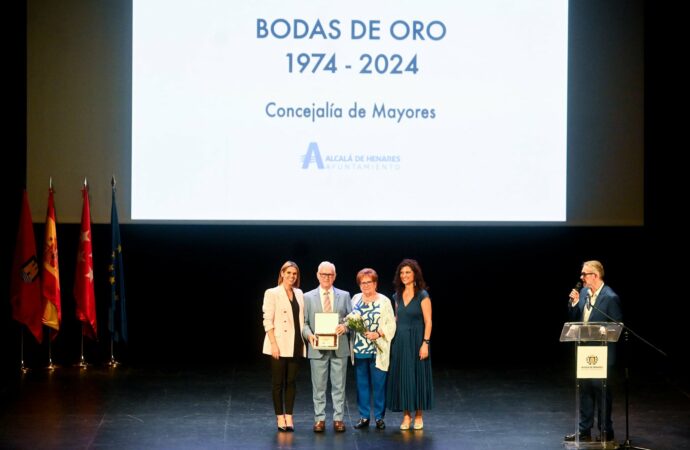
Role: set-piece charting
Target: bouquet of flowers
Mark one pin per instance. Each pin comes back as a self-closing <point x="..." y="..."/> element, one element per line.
<point x="355" y="322"/>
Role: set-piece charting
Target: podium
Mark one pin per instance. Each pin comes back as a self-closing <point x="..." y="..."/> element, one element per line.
<point x="592" y="363"/>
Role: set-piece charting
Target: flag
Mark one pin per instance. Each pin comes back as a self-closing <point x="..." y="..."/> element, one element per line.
<point x="83" y="276"/>
<point x="25" y="284"/>
<point x="50" y="277"/>
<point x="117" y="315"/>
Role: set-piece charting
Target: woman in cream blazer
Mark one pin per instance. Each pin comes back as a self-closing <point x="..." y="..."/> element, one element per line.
<point x="283" y="314"/>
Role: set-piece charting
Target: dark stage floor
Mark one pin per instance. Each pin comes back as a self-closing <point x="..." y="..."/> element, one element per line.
<point x="154" y="408"/>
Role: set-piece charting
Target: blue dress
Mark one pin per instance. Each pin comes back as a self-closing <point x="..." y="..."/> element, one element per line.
<point x="410" y="384"/>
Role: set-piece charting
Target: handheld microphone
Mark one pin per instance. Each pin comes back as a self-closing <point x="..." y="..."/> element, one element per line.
<point x="577" y="287"/>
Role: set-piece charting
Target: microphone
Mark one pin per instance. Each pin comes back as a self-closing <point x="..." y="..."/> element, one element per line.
<point x="589" y="300"/>
<point x="577" y="288"/>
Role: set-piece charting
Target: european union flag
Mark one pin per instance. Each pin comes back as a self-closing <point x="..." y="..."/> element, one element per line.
<point x="117" y="314"/>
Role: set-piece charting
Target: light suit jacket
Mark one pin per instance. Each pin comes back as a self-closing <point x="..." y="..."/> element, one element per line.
<point x="312" y="305"/>
<point x="278" y="317"/>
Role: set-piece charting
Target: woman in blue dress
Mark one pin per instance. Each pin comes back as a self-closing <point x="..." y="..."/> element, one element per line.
<point x="410" y="384"/>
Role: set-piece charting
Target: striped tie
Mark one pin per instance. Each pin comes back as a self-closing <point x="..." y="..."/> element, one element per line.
<point x="326" y="302"/>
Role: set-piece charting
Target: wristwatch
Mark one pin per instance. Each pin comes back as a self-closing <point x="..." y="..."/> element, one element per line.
<point x="428" y="341"/>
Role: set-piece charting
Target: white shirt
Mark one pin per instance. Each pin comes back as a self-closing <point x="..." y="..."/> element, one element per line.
<point x="592" y="300"/>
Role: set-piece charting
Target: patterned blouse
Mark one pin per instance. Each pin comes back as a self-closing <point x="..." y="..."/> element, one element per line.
<point x="371" y="313"/>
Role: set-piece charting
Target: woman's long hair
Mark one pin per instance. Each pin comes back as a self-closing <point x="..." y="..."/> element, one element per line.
<point x="282" y="269"/>
<point x="419" y="282"/>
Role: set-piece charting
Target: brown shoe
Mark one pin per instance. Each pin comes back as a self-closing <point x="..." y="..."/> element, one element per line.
<point x="339" y="426"/>
<point x="320" y="426"/>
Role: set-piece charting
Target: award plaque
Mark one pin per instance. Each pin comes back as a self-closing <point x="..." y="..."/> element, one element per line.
<point x="324" y="330"/>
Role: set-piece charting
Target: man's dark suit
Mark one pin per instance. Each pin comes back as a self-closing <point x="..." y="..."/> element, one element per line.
<point x="590" y="390"/>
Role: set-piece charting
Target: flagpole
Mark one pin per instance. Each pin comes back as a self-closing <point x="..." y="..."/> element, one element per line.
<point x="50" y="290"/>
<point x="85" y="255"/>
<point x="113" y="362"/>
<point x="22" y="367"/>
<point x="82" y="362"/>
<point x="50" y="354"/>
<point x="50" y="366"/>
<point x="50" y="340"/>
<point x="25" y="284"/>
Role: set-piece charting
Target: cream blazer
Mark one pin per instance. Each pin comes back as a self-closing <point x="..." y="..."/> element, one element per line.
<point x="278" y="317"/>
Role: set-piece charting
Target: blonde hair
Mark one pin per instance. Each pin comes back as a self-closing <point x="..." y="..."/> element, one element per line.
<point x="597" y="266"/>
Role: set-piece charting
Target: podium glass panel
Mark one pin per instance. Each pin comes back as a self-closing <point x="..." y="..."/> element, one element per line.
<point x="591" y="334"/>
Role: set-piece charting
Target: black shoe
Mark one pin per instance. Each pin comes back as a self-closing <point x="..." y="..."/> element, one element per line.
<point x="584" y="437"/>
<point x="362" y="423"/>
<point x="380" y="424"/>
<point x="609" y="437"/>
<point x="289" y="428"/>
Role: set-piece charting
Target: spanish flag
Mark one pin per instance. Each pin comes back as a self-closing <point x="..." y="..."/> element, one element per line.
<point x="50" y="278"/>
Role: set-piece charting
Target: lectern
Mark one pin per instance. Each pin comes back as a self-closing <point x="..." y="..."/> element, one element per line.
<point x="592" y="363"/>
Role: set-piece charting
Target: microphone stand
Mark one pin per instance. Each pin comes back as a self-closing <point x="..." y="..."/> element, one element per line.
<point x="627" y="443"/>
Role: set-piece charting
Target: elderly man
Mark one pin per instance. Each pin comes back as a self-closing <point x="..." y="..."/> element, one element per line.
<point x="327" y="298"/>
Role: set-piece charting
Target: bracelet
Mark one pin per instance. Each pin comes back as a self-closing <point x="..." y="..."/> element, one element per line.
<point x="427" y="341"/>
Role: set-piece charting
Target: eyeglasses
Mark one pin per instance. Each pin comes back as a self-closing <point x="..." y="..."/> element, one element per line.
<point x="366" y="283"/>
<point x="584" y="274"/>
<point x="326" y="275"/>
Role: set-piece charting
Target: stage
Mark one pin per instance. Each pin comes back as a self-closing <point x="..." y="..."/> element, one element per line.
<point x="230" y="407"/>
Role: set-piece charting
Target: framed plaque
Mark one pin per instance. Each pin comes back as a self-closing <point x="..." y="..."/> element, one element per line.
<point x="324" y="330"/>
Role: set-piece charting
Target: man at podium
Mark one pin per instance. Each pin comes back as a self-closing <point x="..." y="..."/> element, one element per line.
<point x="593" y="303"/>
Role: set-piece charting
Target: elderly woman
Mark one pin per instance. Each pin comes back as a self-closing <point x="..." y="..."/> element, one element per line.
<point x="371" y="348"/>
<point x="283" y="310"/>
